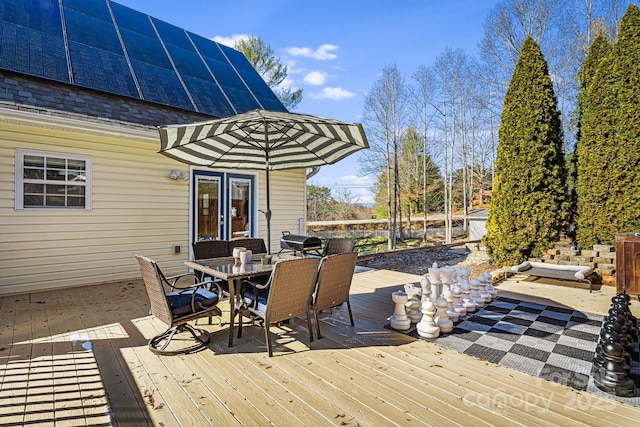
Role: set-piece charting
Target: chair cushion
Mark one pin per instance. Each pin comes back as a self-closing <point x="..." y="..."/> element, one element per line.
<point x="180" y="302"/>
<point x="249" y="298"/>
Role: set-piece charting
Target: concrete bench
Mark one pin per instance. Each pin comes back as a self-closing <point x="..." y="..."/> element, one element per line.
<point x="555" y="271"/>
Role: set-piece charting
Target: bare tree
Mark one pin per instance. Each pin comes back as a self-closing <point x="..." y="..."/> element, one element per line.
<point x="385" y="116"/>
<point x="422" y="92"/>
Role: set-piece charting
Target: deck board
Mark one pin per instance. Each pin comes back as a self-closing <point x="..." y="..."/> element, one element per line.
<point x="82" y="352"/>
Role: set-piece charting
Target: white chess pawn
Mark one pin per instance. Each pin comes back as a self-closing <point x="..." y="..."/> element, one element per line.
<point x="413" y="304"/>
<point x="486" y="296"/>
<point x="457" y="300"/>
<point x="427" y="327"/>
<point x="425" y="284"/>
<point x="399" y="319"/>
<point x="467" y="302"/>
<point x="447" y="295"/>
<point x="475" y="293"/>
<point x="444" y="323"/>
<point x="488" y="277"/>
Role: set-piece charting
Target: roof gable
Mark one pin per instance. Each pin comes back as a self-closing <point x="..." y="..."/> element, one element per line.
<point x="105" y="46"/>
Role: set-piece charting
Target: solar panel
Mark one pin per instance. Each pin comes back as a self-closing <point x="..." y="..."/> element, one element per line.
<point x="102" y="70"/>
<point x="43" y="16"/>
<point x="92" y="31"/>
<point x="208" y="97"/>
<point x="161" y="85"/>
<point x="132" y="20"/>
<point x="31" y="52"/>
<point x="96" y="9"/>
<point x="172" y="35"/>
<point x="170" y="65"/>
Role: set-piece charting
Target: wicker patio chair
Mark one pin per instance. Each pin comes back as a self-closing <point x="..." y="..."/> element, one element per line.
<point x="334" y="283"/>
<point x="254" y="244"/>
<point x="205" y="249"/>
<point x="338" y="246"/>
<point x="177" y="307"/>
<point x="286" y="295"/>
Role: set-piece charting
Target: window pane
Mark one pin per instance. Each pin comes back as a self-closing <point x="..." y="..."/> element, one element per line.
<point x="75" y="190"/>
<point x="76" y="165"/>
<point x="32" y="200"/>
<point x="75" y="201"/>
<point x="33" y="188"/>
<point x="56" y="189"/>
<point x="55" y="200"/>
<point x="33" y="173"/>
<point x="56" y="175"/>
<point x="34" y="161"/>
<point x="76" y="176"/>
<point x="55" y="163"/>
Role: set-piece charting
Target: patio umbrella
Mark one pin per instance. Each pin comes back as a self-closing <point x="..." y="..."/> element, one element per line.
<point x="265" y="140"/>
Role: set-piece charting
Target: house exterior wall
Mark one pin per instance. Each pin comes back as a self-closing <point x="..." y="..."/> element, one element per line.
<point x="136" y="208"/>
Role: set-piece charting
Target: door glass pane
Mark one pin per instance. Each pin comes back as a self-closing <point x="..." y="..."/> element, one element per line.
<point x="240" y="190"/>
<point x="208" y="209"/>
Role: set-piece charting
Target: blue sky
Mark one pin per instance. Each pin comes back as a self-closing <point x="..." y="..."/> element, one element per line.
<point x="335" y="49"/>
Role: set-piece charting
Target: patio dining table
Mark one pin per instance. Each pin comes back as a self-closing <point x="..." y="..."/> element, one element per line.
<point x="233" y="273"/>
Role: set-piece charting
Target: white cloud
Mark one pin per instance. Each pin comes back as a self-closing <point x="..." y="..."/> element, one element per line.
<point x="316" y="78"/>
<point x="322" y="53"/>
<point x="230" y="40"/>
<point x="335" y="93"/>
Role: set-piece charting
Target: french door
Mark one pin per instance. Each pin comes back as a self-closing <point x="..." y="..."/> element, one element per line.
<point x="223" y="206"/>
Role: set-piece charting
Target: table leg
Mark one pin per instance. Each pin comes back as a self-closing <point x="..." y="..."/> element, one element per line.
<point x="234" y="293"/>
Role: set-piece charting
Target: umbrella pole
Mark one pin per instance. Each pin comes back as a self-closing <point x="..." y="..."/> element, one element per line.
<point x="267" y="214"/>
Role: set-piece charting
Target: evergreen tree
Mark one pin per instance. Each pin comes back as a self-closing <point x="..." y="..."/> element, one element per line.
<point x="624" y="203"/>
<point x="595" y="147"/>
<point x="270" y="68"/>
<point x="529" y="206"/>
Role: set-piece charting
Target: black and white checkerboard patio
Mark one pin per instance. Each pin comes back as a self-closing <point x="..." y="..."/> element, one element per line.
<point x="553" y="343"/>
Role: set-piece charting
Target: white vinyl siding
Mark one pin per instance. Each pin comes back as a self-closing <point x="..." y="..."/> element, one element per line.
<point x="136" y="209"/>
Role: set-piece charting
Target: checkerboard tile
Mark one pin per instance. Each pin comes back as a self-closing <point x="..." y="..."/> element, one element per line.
<point x="553" y="343"/>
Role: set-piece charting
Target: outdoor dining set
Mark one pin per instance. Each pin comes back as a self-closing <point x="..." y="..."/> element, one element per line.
<point x="262" y="287"/>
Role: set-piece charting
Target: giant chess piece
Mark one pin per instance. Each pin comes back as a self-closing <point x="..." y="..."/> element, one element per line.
<point x="399" y="319"/>
<point x="488" y="279"/>
<point x="442" y="320"/>
<point x="425" y="284"/>
<point x="484" y="293"/>
<point x="607" y="334"/>
<point x="457" y="300"/>
<point x="434" y="278"/>
<point x="465" y="288"/>
<point x="475" y="293"/>
<point x="612" y="331"/>
<point x="427" y="327"/>
<point x="447" y="281"/>
<point x="611" y="376"/>
<point x="413" y="304"/>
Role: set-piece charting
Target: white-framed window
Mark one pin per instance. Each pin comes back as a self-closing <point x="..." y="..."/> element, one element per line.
<point x="47" y="180"/>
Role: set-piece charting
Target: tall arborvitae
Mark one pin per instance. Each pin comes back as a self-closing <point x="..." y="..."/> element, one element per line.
<point x="595" y="141"/>
<point x="624" y="204"/>
<point x="529" y="206"/>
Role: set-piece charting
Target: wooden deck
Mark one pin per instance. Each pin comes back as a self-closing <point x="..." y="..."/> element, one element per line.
<point x="78" y="356"/>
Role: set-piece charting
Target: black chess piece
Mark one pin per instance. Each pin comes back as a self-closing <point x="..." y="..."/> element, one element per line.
<point x="611" y="376"/>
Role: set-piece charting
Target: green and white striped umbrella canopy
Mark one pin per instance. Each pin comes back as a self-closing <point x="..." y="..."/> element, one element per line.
<point x="265" y="140"/>
<point x="261" y="139"/>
